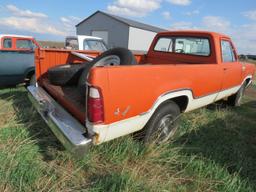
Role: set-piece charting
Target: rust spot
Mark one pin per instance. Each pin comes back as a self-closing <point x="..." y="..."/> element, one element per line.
<point x="96" y="139"/>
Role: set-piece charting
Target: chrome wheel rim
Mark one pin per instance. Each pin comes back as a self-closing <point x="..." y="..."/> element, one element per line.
<point x="166" y="128"/>
<point x="111" y="60"/>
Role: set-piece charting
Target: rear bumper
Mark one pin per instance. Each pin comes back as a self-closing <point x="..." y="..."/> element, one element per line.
<point x="65" y="127"/>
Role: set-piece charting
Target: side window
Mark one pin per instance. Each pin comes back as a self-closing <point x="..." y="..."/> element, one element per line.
<point x="164" y="45"/>
<point x="228" y="54"/>
<point x="7" y="43"/>
<point x="24" y="44"/>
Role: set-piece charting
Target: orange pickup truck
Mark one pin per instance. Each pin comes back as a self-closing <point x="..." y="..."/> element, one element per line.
<point x="117" y="93"/>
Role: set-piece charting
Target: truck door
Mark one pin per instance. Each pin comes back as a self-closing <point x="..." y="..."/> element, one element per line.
<point x="7" y="45"/>
<point x="25" y="54"/>
<point x="232" y="68"/>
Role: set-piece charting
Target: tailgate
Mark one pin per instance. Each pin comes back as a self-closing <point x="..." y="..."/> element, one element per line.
<point x="66" y="128"/>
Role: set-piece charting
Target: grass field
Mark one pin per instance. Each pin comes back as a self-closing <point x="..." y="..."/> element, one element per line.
<point x="214" y="150"/>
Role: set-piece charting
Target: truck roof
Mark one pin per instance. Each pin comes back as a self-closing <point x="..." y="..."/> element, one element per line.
<point x="12" y="35"/>
<point x="191" y="32"/>
<point x="84" y="37"/>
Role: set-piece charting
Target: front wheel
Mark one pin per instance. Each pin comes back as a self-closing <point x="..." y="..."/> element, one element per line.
<point x="236" y="99"/>
<point x="163" y="124"/>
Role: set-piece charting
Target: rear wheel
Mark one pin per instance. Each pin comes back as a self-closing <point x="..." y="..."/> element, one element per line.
<point x="236" y="99"/>
<point x="163" y="124"/>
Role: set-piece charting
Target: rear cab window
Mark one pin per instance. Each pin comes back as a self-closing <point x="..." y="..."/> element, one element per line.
<point x="198" y="46"/>
<point x="164" y="45"/>
<point x="227" y="52"/>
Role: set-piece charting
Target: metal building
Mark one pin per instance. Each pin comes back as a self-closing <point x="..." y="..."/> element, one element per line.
<point x="118" y="31"/>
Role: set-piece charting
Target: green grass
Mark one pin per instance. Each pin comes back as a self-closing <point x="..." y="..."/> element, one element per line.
<point x="214" y="150"/>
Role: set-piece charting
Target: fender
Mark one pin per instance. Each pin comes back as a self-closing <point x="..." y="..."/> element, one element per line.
<point x="117" y="129"/>
<point x="248" y="79"/>
<point x="29" y="71"/>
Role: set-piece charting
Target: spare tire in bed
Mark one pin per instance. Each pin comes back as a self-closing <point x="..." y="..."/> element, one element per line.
<point x="67" y="74"/>
<point x="112" y="57"/>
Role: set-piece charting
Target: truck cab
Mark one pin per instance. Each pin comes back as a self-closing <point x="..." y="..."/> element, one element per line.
<point x="16" y="59"/>
<point x="87" y="43"/>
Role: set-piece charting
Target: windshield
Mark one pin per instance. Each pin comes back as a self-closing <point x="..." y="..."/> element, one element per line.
<point x="24" y="44"/>
<point x="72" y="43"/>
<point x="95" y="45"/>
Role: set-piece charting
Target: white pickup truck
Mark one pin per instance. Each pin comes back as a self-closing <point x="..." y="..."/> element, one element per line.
<point x="83" y="42"/>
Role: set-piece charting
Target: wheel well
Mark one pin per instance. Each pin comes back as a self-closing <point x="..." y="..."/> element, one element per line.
<point x="247" y="81"/>
<point x="29" y="74"/>
<point x="181" y="101"/>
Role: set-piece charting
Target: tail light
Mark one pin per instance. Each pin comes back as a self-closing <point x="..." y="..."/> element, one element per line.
<point x="95" y="108"/>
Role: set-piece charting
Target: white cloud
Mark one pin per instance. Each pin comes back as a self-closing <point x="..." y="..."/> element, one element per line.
<point x="182" y="25"/>
<point x="30" y="25"/>
<point x="136" y="8"/>
<point x="243" y="35"/>
<point x="180" y="2"/>
<point x="250" y="14"/>
<point x="70" y="22"/>
<point x="216" y="23"/>
<point x="166" y="15"/>
<point x="192" y="13"/>
<point x="244" y="38"/>
<point x="29" y="21"/>
<point x="24" y="13"/>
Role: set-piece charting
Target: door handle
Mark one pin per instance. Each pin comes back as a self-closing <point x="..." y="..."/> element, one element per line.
<point x="225" y="69"/>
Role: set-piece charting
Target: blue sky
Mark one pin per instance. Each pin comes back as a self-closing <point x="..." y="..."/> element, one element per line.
<point x="54" y="19"/>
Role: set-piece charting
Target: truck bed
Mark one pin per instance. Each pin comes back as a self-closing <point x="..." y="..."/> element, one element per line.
<point x="68" y="96"/>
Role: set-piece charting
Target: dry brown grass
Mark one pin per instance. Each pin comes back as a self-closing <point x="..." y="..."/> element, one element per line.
<point x="251" y="61"/>
<point x="51" y="44"/>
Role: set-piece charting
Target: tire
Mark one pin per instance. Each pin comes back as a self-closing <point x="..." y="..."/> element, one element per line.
<point x="65" y="74"/>
<point x="32" y="80"/>
<point x="116" y="56"/>
<point x="163" y="124"/>
<point x="235" y="100"/>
